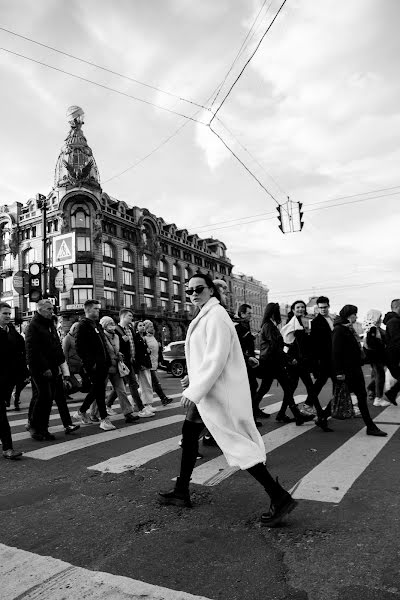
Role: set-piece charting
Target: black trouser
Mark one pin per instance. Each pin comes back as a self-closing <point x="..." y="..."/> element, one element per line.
<point x="61" y="401"/>
<point x="43" y="394"/>
<point x="356" y="384"/>
<point x="6" y="388"/>
<point x="190" y="444"/>
<point x="394" y="368"/>
<point x="19" y="386"/>
<point x="97" y="392"/>
<point x="302" y="372"/>
<point x="253" y="383"/>
<point x="269" y="373"/>
<point x="377" y="383"/>
<point x="157" y="386"/>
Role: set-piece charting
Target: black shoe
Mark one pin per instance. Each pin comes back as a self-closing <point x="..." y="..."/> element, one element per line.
<point x="391" y="397"/>
<point x="131" y="418"/>
<point x="48" y="437"/>
<point x="37" y="436"/>
<point x="258" y="423"/>
<point x="323" y="424"/>
<point x="208" y="440"/>
<point x="278" y="510"/>
<point x="284" y="419"/>
<point x="165" y="401"/>
<point x="176" y="497"/>
<point x="304" y="419"/>
<point x="260" y="414"/>
<point x="71" y="428"/>
<point x="376" y="432"/>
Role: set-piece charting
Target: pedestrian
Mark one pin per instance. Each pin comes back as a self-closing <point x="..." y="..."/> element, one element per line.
<point x="49" y="374"/>
<point x="218" y="397"/>
<point x="23" y="376"/>
<point x="246" y="339"/>
<point x="273" y="365"/>
<point x="296" y="335"/>
<point x="79" y="379"/>
<point x="347" y="362"/>
<point x="125" y="333"/>
<point x="392" y="322"/>
<point x="143" y="361"/>
<point x="375" y="352"/>
<point x="155" y="357"/>
<point x="13" y="365"/>
<point x="92" y="349"/>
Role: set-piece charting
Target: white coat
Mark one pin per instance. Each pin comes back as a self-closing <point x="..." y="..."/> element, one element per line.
<point x="219" y="386"/>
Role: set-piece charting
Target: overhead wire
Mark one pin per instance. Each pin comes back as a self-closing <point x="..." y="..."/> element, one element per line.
<point x="111" y="71"/>
<point x="338" y="287"/>
<point x="106" y="87"/>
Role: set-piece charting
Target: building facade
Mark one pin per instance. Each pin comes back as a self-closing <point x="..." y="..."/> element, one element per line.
<point x="247" y="290"/>
<point x="125" y="256"/>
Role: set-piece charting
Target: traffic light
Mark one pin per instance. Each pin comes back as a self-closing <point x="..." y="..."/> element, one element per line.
<point x="279" y="209"/>
<point x="301" y="215"/>
<point x="35" y="282"/>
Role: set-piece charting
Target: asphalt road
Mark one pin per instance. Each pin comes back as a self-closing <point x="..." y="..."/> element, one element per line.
<point x="77" y="500"/>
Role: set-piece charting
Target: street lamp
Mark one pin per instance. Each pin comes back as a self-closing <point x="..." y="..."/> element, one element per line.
<point x="42" y="205"/>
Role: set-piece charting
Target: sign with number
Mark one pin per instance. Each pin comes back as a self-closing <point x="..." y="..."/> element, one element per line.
<point x="64" y="249"/>
<point x="64" y="280"/>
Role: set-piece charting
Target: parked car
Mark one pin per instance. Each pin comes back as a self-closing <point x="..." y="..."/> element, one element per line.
<point x="174" y="360"/>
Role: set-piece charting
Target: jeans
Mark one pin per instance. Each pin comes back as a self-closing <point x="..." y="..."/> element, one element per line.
<point x="6" y="388"/>
<point x="157" y="386"/>
<point x="97" y="392"/>
<point x="146" y="388"/>
<point x="377" y="383"/>
<point x="131" y="381"/>
<point x="119" y="388"/>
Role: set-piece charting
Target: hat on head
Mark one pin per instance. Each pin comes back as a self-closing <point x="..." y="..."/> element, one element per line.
<point x="347" y="310"/>
<point x="104" y="321"/>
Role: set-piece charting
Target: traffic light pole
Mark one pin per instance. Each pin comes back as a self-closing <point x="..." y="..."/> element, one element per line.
<point x="41" y="203"/>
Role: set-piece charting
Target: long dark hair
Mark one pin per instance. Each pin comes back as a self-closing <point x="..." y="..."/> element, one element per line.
<point x="209" y="283"/>
<point x="272" y="311"/>
<point x="290" y="314"/>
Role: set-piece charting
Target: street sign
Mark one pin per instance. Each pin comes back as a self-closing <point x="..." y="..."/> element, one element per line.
<point x="74" y="306"/>
<point x="20" y="282"/>
<point x="64" y="280"/>
<point x="64" y="249"/>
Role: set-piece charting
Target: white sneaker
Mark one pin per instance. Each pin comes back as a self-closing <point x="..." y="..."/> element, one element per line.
<point x="106" y="424"/>
<point x="81" y="417"/>
<point x="150" y="408"/>
<point x="382" y="402"/>
<point x="145" y="413"/>
<point x="357" y="411"/>
<point x="111" y="411"/>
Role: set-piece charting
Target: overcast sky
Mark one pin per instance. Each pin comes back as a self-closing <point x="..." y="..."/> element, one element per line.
<point x="318" y="108"/>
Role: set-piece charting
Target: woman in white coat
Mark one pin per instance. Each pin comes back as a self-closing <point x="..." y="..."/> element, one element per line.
<point x="218" y="397"/>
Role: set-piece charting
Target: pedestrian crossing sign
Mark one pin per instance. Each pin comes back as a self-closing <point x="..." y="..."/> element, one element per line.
<point x="64" y="249"/>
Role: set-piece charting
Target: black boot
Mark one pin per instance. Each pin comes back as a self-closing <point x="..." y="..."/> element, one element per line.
<point x="281" y="505"/>
<point x="323" y="423"/>
<point x="391" y="396"/>
<point x="178" y="496"/>
<point x="282" y="418"/>
<point x="299" y="417"/>
<point x="165" y="400"/>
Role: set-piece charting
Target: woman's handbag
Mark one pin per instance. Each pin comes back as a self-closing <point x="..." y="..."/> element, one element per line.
<point x="122" y="369"/>
<point x="342" y="405"/>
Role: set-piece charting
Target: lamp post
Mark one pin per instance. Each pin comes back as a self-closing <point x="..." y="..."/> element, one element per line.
<point x="42" y="205"/>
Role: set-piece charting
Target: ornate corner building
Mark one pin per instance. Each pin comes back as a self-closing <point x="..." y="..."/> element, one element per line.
<point x="125" y="256"/>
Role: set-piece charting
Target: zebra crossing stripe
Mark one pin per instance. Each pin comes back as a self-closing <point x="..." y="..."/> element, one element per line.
<point x="333" y="477"/>
<point x="55" y="450"/>
<point x="216" y="470"/>
<point x="136" y="458"/>
<point x="390" y="415"/>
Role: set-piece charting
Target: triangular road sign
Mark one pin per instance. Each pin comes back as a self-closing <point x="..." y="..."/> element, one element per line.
<point x="64" y="251"/>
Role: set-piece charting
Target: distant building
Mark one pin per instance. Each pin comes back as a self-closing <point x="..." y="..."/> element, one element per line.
<point x="248" y="290"/>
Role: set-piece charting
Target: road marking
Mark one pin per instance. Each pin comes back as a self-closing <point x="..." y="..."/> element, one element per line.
<point x="333" y="477"/>
<point x="28" y="575"/>
<point x="55" y="450"/>
<point x="136" y="458"/>
<point x="216" y="470"/>
<point x="391" y="414"/>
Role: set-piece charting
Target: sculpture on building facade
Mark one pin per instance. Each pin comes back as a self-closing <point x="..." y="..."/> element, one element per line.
<point x="97" y="229"/>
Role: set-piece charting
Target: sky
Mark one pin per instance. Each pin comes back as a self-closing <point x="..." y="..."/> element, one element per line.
<point x="314" y="116"/>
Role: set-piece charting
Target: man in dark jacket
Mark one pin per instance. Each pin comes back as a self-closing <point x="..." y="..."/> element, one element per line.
<point x="321" y="345"/>
<point x="45" y="356"/>
<point x="13" y="367"/>
<point x="392" y="322"/>
<point x="347" y="361"/>
<point x="91" y="346"/>
<point x="246" y="340"/>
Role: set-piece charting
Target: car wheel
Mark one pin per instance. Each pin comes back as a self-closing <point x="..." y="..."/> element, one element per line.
<point x="177" y="368"/>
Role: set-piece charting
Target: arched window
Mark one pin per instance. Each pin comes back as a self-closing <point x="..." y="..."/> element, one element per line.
<point x="29" y="257"/>
<point x="146" y="261"/>
<point x="79" y="218"/>
<point x="127" y="256"/>
<point x="163" y="266"/>
<point x="108" y="250"/>
<point x="175" y="271"/>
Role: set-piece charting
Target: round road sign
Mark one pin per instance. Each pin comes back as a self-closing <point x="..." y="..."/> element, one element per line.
<point x="64" y="280"/>
<point x="20" y="282"/>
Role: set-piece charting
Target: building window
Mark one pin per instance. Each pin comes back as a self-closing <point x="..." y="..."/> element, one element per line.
<point x="108" y="250"/>
<point x="187" y="274"/>
<point x="108" y="273"/>
<point x="83" y="243"/>
<point x="176" y="289"/>
<point x="29" y="257"/>
<point x="147" y="282"/>
<point x="7" y="285"/>
<point x="164" y="304"/>
<point x="111" y="297"/>
<point x="80" y="219"/>
<point x="80" y="295"/>
<point x="34" y="231"/>
<point x="146" y="261"/>
<point x="127" y="277"/>
<point x="128" y="300"/>
<point x="82" y="271"/>
<point x="163" y="266"/>
<point x="127" y="256"/>
<point x="175" y="271"/>
<point x="148" y="300"/>
<point x="177" y="306"/>
<point x="163" y="286"/>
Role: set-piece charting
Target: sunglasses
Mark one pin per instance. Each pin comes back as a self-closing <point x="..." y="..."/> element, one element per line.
<point x="199" y="290"/>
